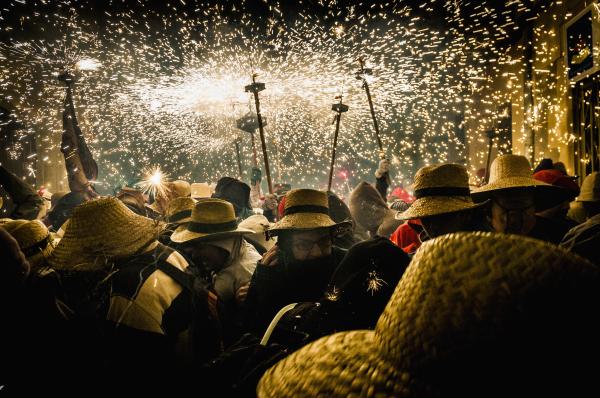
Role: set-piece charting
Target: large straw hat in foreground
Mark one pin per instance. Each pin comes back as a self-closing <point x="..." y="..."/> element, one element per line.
<point x="440" y="189"/>
<point x="211" y="218"/>
<point x="306" y="209"/>
<point x="102" y="229"/>
<point x="475" y="314"/>
<point x="512" y="172"/>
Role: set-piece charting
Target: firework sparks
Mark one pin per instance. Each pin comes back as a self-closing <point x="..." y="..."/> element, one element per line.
<point x="162" y="86"/>
<point x="154" y="182"/>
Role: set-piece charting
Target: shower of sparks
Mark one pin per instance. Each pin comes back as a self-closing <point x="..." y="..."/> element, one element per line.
<point x="154" y="88"/>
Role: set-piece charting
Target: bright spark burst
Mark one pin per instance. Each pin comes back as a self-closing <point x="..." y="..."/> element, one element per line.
<point x="88" y="64"/>
<point x="154" y="182"/>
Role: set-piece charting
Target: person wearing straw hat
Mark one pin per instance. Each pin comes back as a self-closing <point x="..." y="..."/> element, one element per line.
<point x="34" y="239"/>
<point x="109" y="259"/>
<point x="215" y="244"/>
<point x="179" y="212"/>
<point x="300" y="265"/>
<point x="516" y="197"/>
<point x="584" y="239"/>
<point x="475" y="314"/>
<point x="443" y="202"/>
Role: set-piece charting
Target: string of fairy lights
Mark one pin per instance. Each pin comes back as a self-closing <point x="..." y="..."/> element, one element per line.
<point x="164" y="87"/>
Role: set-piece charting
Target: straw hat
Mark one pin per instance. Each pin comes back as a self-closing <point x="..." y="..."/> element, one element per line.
<point x="306" y="209"/>
<point x="100" y="229"/>
<point x="514" y="172"/>
<point x="34" y="239"/>
<point x="211" y="218"/>
<point x="260" y="225"/>
<point x="468" y="304"/>
<point x="440" y="189"/>
<point x="179" y="188"/>
<point x="201" y="190"/>
<point x="590" y="189"/>
<point x="179" y="210"/>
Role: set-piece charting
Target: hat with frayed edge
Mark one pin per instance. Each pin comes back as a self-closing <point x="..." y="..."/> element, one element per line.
<point x="102" y="229"/>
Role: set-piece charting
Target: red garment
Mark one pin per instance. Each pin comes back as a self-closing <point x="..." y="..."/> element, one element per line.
<point x="401" y="194"/>
<point x="558" y="179"/>
<point x="281" y="208"/>
<point x="406" y="236"/>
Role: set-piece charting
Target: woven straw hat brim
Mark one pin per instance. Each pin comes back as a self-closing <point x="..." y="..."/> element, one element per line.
<point x="508" y="183"/>
<point x="344" y="364"/>
<point x="305" y="221"/>
<point x="545" y="195"/>
<point x="124" y="238"/>
<point x="182" y="234"/>
<point x="437" y="205"/>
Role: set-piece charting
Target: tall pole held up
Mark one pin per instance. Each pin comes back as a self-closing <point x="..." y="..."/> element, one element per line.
<point x="255" y="88"/>
<point x="339" y="108"/>
<point x="361" y="76"/>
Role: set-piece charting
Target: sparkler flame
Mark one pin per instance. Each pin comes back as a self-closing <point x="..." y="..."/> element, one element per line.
<point x="154" y="182"/>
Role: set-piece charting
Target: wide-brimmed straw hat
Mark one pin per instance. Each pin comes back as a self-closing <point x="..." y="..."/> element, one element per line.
<point x="211" y="218"/>
<point x="179" y="210"/>
<point x="513" y="172"/>
<point x="33" y="238"/>
<point x="259" y="224"/>
<point x="306" y="209"/>
<point x="468" y="304"/>
<point x="103" y="229"/>
<point x="590" y="189"/>
<point x="440" y="189"/>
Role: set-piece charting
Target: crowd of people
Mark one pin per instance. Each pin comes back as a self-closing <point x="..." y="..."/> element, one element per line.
<point x="452" y="290"/>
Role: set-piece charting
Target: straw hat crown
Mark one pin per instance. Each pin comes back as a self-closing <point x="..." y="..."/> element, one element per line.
<point x="439" y="189"/>
<point x="439" y="176"/>
<point x="590" y="189"/>
<point x="462" y="296"/>
<point x="27" y="233"/>
<point x="305" y="209"/>
<point x="179" y="210"/>
<point x="105" y="228"/>
<point x="210" y="218"/>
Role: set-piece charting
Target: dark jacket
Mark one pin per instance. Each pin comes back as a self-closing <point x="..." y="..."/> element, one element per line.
<point x="274" y="287"/>
<point x="584" y="240"/>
